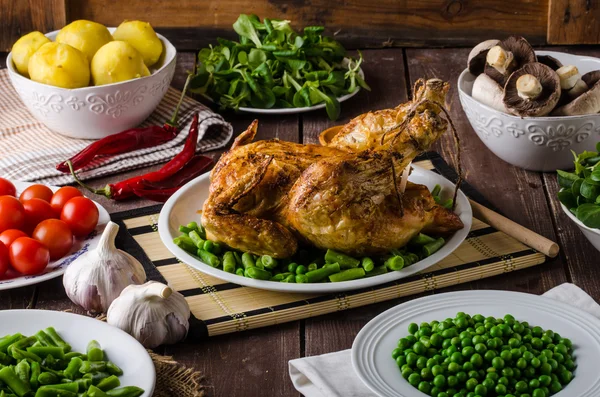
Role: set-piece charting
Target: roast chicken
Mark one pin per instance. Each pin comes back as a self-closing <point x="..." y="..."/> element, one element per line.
<point x="270" y="197"/>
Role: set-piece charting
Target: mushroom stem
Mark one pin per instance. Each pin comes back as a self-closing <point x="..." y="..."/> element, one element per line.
<point x="499" y="59"/>
<point x="569" y="76"/>
<point x="529" y="87"/>
<point x="579" y="88"/>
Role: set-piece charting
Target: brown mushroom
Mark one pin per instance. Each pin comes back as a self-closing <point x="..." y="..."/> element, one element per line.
<point x="476" y="60"/>
<point x="533" y="90"/>
<point x="488" y="92"/>
<point x="549" y="61"/>
<point x="509" y="55"/>
<point x="586" y="103"/>
<point x="591" y="78"/>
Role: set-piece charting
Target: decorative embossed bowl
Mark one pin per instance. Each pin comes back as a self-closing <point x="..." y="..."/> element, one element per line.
<point x="533" y="143"/>
<point x="96" y="112"/>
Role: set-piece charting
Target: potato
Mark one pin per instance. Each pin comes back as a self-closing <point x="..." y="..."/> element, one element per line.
<point x="59" y="65"/>
<point x="142" y="37"/>
<point x="86" y="36"/>
<point x="117" y="61"/>
<point x="24" y="48"/>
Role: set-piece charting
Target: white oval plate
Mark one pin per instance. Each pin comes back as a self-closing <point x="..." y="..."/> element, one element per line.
<point x="372" y="348"/>
<point x="182" y="208"/>
<point x="57" y="268"/>
<point x="77" y="330"/>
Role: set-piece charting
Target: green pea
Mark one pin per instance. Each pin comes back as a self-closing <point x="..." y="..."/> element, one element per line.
<point x="480" y="390"/>
<point x="437" y="370"/>
<point x="413" y="328"/>
<point x="545" y="380"/>
<point x="414" y="379"/>
<point x="471" y="384"/>
<point x="500" y="389"/>
<point x="498" y="363"/>
<point x="424" y="387"/>
<point x="439" y="381"/>
<point x="521" y="386"/>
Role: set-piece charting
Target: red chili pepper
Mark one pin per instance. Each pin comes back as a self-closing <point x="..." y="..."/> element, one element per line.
<point x="128" y="140"/>
<point x="124" y="189"/>
<point x="195" y="167"/>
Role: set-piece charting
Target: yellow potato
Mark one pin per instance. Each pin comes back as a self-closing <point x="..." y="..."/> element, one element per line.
<point x="60" y="65"/>
<point x="24" y="48"/>
<point x="86" y="36"/>
<point x="117" y="61"/>
<point x="142" y="37"/>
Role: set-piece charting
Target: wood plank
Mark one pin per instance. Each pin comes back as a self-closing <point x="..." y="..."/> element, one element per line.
<point x="429" y="22"/>
<point x="22" y="17"/>
<point x="573" y="21"/>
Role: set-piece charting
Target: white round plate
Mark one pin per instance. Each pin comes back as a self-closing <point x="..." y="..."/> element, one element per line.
<point x="77" y="330"/>
<point x="57" y="268"/>
<point x="182" y="208"/>
<point x="372" y="348"/>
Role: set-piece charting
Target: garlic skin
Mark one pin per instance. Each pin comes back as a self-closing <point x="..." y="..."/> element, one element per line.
<point x="97" y="277"/>
<point x="152" y="313"/>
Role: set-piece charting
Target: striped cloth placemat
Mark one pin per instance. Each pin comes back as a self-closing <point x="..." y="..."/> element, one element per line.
<point x="220" y="307"/>
<point x="30" y="151"/>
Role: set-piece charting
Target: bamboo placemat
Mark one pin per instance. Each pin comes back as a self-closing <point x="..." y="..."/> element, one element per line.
<point x="221" y="307"/>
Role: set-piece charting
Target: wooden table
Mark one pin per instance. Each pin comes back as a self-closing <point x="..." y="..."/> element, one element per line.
<point x="254" y="363"/>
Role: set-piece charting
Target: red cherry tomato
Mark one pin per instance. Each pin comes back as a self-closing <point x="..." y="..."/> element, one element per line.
<point x="7" y="188"/>
<point x="4" y="259"/>
<point x="81" y="214"/>
<point x="37" y="210"/>
<point x="56" y="236"/>
<point x="36" y="191"/>
<point x="10" y="235"/>
<point x="28" y="256"/>
<point x="12" y="214"/>
<point x="63" y="195"/>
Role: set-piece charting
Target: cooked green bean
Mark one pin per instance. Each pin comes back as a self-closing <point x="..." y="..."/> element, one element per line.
<point x="109" y="383"/>
<point x="185" y="229"/>
<point x="209" y="258"/>
<point x="72" y="370"/>
<point x="5" y="359"/>
<point x="54" y="393"/>
<point x="312" y="266"/>
<point x="127" y="391"/>
<point x="19" y="354"/>
<point x="317" y="275"/>
<point x="92" y="366"/>
<point x="185" y="243"/>
<point x="347" y="275"/>
<point x="229" y="262"/>
<point x="292" y="267"/>
<point x="94" y="351"/>
<point x="84" y="384"/>
<point x="198" y="241"/>
<point x="23" y="371"/>
<point x="395" y="263"/>
<point x="35" y="373"/>
<point x="93" y="391"/>
<point x="113" y="368"/>
<point x="48" y="378"/>
<point x="96" y="377"/>
<point x="58" y="341"/>
<point x="21" y="344"/>
<point x="56" y="352"/>
<point x="379" y="270"/>
<point x="431" y="248"/>
<point x="10" y="378"/>
<point x="436" y="190"/>
<point x="421" y="239"/>
<point x="367" y="264"/>
<point x="238" y="258"/>
<point x="239" y="271"/>
<point x="70" y="386"/>
<point x="257" y="273"/>
<point x="44" y="339"/>
<point x="269" y="262"/>
<point x="8" y="341"/>
<point x="247" y="260"/>
<point x="345" y="261"/>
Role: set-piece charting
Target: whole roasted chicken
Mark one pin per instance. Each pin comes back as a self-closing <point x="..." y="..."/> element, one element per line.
<point x="268" y="197"/>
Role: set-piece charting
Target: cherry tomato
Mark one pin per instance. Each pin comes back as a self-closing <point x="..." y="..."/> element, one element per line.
<point x="37" y="210"/>
<point x="63" y="195"/>
<point x="7" y="188"/>
<point x="81" y="214"/>
<point x="12" y="214"/>
<point x="10" y="235"/>
<point x="28" y="256"/>
<point x="4" y="259"/>
<point x="36" y="191"/>
<point x="56" y="236"/>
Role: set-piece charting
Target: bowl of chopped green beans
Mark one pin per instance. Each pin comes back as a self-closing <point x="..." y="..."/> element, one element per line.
<point x="50" y="354"/>
<point x="480" y="343"/>
<point x="310" y="270"/>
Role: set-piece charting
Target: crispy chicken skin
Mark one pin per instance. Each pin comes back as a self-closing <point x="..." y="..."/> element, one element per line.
<point x="267" y="197"/>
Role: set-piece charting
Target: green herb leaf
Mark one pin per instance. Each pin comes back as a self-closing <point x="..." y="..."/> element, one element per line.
<point x="567" y="198"/>
<point x="589" y="215"/>
<point x="245" y="28"/>
<point x="576" y="187"/>
<point x="589" y="189"/>
<point x="566" y="179"/>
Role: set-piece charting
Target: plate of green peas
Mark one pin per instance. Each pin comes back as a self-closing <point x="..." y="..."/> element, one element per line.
<point x="310" y="270"/>
<point x="58" y="354"/>
<point x="480" y="344"/>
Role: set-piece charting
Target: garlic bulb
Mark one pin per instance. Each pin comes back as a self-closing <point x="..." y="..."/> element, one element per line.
<point x="97" y="277"/>
<point x="152" y="313"/>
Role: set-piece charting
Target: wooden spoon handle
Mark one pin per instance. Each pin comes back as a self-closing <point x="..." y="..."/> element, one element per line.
<point x="513" y="229"/>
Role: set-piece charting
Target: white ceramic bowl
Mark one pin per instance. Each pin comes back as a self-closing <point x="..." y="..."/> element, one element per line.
<point x="593" y="235"/>
<point x="96" y="112"/>
<point x="533" y="143"/>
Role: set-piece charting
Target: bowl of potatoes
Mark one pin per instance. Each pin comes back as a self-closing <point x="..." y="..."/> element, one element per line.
<point x="88" y="81"/>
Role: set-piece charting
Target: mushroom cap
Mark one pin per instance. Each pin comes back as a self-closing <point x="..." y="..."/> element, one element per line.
<point x="476" y="60"/>
<point x="591" y="78"/>
<point x="488" y="92"/>
<point x="544" y="103"/>
<point x="586" y="103"/>
<point x="522" y="52"/>
<point x="549" y="61"/>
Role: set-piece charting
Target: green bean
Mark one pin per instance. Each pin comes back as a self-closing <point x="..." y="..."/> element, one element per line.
<point x="289" y="279"/>
<point x="93" y="391"/>
<point x="322" y="273"/>
<point x="269" y="262"/>
<point x="94" y="351"/>
<point x="23" y="371"/>
<point x="197" y="227"/>
<point x="345" y="261"/>
<point x="113" y="368"/>
<point x="258" y="263"/>
<point x="292" y="267"/>
<point x="448" y="204"/>
<point x="21" y="344"/>
<point x="208" y="246"/>
<point x="109" y="383"/>
<point x="414" y="258"/>
<point x="37" y="344"/>
<point x="127" y="391"/>
<point x="54" y="393"/>
<point x="395" y="263"/>
<point x="301" y="269"/>
<point x="367" y="264"/>
<point x="185" y="243"/>
<point x="72" y="370"/>
<point x="185" y="229"/>
<point x="195" y="237"/>
<point x="277" y="277"/>
<point x="10" y="378"/>
<point x="377" y="271"/>
<point x="58" y="341"/>
<point x="311" y="267"/>
<point x="436" y="190"/>
<point x="239" y="271"/>
<point x="301" y="278"/>
<point x="70" y="386"/>
<point x="56" y="352"/>
<point x="92" y="366"/>
<point x="19" y="354"/>
<point x="247" y="260"/>
<point x="72" y="355"/>
<point x="5" y="358"/>
<point x="35" y="373"/>
<point x="257" y="273"/>
<point x="431" y="248"/>
<point x="209" y="258"/>
<point x="96" y="377"/>
<point x="48" y="378"/>
<point x="8" y="341"/>
<point x="229" y="262"/>
<point x="347" y="275"/>
<point x="83" y="384"/>
<point x="238" y="258"/>
<point x="421" y="239"/>
<point x="217" y="248"/>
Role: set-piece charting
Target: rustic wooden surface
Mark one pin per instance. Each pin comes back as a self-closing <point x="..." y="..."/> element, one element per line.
<point x="573" y="21"/>
<point x="254" y="363"/>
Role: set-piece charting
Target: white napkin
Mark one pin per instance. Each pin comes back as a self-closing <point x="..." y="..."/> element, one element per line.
<point x="332" y="375"/>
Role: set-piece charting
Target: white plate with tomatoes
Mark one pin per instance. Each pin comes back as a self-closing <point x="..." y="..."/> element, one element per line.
<point x="43" y="229"/>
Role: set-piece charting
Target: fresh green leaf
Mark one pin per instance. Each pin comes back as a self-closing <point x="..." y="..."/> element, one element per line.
<point x="589" y="189"/>
<point x="576" y="187"/>
<point x="595" y="175"/>
<point x="332" y="105"/>
<point x="598" y="147"/>
<point x="256" y="58"/>
<point x="566" y="179"/>
<point x="243" y="57"/>
<point x="567" y="198"/>
<point x="589" y="215"/>
<point x="580" y="159"/>
<point x="245" y="28"/>
<point x="302" y="98"/>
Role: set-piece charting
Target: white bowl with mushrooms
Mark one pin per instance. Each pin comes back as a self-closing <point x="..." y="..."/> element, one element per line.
<point x="532" y="114"/>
